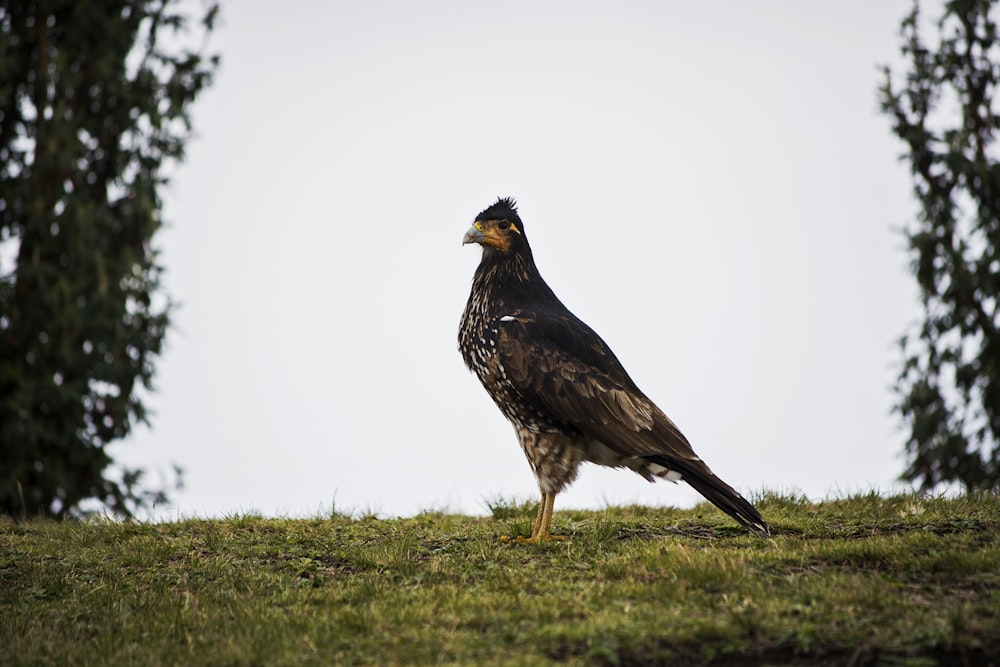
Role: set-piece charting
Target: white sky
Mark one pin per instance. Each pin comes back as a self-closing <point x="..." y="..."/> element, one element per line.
<point x="709" y="185"/>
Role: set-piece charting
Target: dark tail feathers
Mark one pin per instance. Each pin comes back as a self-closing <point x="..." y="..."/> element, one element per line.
<point x="720" y="494"/>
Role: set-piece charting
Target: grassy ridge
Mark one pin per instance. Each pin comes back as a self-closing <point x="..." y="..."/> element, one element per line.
<point x="863" y="580"/>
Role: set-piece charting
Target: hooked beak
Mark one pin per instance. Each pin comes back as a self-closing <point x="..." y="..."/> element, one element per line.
<point x="473" y="236"/>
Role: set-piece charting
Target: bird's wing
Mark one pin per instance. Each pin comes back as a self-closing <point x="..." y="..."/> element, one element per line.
<point x="568" y="373"/>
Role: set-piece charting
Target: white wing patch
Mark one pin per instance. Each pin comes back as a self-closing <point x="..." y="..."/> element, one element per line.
<point x="507" y="318"/>
<point x="664" y="473"/>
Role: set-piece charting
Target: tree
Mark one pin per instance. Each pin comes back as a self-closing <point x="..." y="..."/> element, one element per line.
<point x="94" y="104"/>
<point x="949" y="385"/>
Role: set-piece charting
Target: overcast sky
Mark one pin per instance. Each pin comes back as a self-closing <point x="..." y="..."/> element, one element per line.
<point x="709" y="185"/>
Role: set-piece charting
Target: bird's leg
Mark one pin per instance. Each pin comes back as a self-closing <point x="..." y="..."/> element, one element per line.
<point x="538" y="519"/>
<point x="545" y="531"/>
<point x="536" y="528"/>
<point x="542" y="531"/>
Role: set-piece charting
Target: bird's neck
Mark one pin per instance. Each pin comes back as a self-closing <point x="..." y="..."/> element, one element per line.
<point x="512" y="274"/>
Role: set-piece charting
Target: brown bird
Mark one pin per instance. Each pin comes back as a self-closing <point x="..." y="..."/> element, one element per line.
<point x="560" y="385"/>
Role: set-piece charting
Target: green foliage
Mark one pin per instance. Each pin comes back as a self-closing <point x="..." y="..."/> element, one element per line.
<point x="862" y="581"/>
<point x="949" y="385"/>
<point x="94" y="101"/>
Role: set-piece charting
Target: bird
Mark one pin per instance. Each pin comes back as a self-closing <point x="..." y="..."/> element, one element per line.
<point x="565" y="392"/>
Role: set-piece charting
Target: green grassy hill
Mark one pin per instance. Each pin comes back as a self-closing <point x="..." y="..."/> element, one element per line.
<point x="860" y="581"/>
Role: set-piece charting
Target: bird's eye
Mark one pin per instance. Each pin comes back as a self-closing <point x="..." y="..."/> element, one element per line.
<point x="504" y="225"/>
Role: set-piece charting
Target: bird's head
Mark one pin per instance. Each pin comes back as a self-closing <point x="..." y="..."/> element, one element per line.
<point x="498" y="228"/>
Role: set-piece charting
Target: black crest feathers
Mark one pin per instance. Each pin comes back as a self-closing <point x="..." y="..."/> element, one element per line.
<point x="505" y="208"/>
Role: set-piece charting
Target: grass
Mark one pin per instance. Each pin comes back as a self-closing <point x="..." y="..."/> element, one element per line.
<point x="859" y="581"/>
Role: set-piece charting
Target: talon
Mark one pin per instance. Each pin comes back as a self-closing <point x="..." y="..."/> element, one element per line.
<point x="521" y="539"/>
<point x="540" y="532"/>
<point x="538" y="540"/>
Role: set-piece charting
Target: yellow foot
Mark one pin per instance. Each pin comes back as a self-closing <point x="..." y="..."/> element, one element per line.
<point x="541" y="531"/>
<point x="532" y="540"/>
